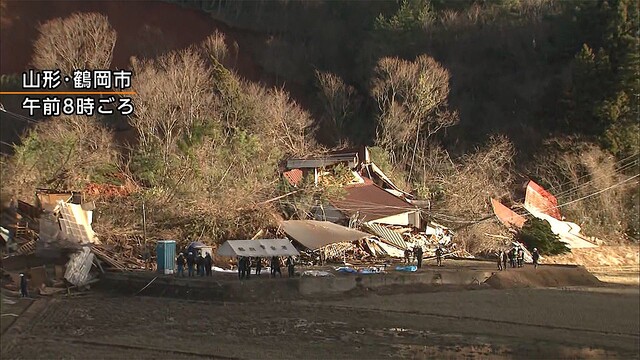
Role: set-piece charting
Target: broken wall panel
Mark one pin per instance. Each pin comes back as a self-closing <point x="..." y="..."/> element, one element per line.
<point x="79" y="267"/>
<point x="49" y="201"/>
<point x="387" y="249"/>
<point x="76" y="223"/>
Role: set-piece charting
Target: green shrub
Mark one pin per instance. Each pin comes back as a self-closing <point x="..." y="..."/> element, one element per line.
<point x="536" y="233"/>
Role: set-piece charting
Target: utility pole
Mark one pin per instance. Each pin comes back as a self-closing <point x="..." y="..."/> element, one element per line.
<point x="144" y="225"/>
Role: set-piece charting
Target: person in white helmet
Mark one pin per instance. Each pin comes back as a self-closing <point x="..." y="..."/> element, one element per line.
<point x="24" y="290"/>
<point x="536" y="256"/>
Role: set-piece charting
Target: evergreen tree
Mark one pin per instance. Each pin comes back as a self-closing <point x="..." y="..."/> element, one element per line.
<point x="536" y="233"/>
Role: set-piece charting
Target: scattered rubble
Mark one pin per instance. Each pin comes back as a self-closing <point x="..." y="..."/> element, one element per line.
<point x="54" y="244"/>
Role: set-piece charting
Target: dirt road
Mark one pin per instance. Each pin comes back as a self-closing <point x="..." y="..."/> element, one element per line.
<point x="488" y="323"/>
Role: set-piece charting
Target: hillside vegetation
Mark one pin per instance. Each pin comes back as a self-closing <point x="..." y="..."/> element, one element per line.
<point x="461" y="100"/>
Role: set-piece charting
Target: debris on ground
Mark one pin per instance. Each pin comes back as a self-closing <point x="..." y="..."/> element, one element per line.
<point x="54" y="244"/>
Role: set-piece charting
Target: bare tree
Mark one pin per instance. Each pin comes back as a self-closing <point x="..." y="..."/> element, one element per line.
<point x="337" y="99"/>
<point x="412" y="98"/>
<point x="468" y="183"/>
<point x="172" y="94"/>
<point x="80" y="41"/>
<point x="288" y="124"/>
<point x="574" y="170"/>
<point x="215" y="47"/>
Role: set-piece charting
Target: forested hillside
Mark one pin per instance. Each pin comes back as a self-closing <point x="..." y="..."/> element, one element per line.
<point x="460" y="100"/>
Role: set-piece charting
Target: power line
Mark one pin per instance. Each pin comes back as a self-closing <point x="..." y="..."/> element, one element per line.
<point x="579" y="186"/>
<point x="558" y="187"/>
<point x="599" y="192"/>
<point x="18" y="116"/>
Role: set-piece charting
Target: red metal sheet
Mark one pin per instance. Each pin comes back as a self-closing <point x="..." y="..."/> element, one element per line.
<point x="293" y="176"/>
<point x="507" y="216"/>
<point x="540" y="199"/>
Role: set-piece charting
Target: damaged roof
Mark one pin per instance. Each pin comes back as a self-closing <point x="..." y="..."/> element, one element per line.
<point x="293" y="176"/>
<point x="258" y="248"/>
<point x="507" y="216"/>
<point x="370" y="202"/>
<point x="314" y="234"/>
<point x="388" y="235"/>
<point x="538" y="198"/>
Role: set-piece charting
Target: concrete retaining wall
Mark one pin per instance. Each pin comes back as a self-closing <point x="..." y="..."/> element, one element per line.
<point x="265" y="289"/>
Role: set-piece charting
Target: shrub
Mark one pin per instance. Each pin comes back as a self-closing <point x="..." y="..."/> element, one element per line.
<point x="536" y="233"/>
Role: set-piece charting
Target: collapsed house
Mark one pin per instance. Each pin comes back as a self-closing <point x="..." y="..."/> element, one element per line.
<point x="321" y="241"/>
<point x="54" y="242"/>
<point x="543" y="205"/>
<point x="369" y="197"/>
<point x="389" y="218"/>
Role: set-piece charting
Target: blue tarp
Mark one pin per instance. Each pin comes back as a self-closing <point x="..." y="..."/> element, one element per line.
<point x="346" y="270"/>
<point x="410" y="268"/>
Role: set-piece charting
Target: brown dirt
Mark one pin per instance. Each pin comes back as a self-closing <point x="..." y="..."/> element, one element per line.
<point x="178" y="28"/>
<point x="488" y="324"/>
<point x="622" y="255"/>
<point x="543" y="276"/>
<point x="613" y="264"/>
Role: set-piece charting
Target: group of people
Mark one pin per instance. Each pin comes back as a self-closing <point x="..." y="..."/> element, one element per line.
<point x="418" y="253"/>
<point x="245" y="262"/>
<point x="515" y="256"/>
<point x="196" y="264"/>
<point x="200" y="265"/>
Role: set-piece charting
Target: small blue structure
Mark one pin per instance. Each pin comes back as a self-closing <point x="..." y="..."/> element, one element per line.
<point x="166" y="253"/>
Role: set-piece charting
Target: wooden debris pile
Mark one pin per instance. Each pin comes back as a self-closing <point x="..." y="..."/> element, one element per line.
<point x="116" y="261"/>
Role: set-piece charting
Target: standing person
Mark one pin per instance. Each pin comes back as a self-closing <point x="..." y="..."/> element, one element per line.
<point x="520" y="257"/>
<point x="275" y="266"/>
<point x="24" y="288"/>
<point x="536" y="257"/>
<point x="208" y="261"/>
<point x="500" y="257"/>
<point x="290" y="266"/>
<point x="512" y="257"/>
<point x="190" y="261"/>
<point x="439" y="256"/>
<point x="407" y="256"/>
<point x="241" y="267"/>
<point x="247" y="267"/>
<point x="200" y="264"/>
<point x="418" y="253"/>
<point x="258" y="265"/>
<point x="504" y="260"/>
<point x="180" y="264"/>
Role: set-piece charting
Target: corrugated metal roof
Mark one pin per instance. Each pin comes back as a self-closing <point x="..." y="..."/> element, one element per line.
<point x="370" y="202"/>
<point x="257" y="248"/>
<point x="293" y="176"/>
<point x="315" y="234"/>
<point x="387" y="235"/>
